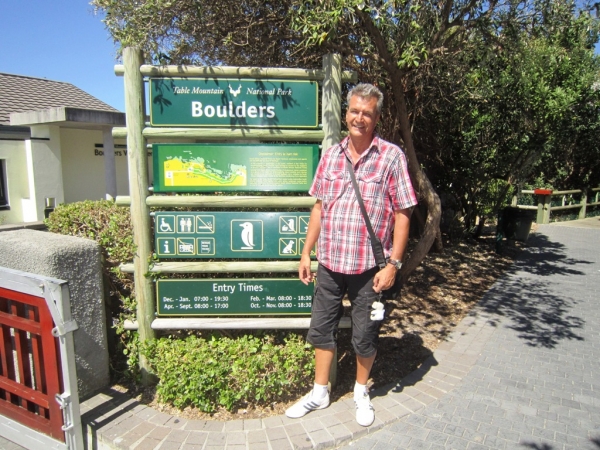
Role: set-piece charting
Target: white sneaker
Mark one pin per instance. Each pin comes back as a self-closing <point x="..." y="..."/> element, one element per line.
<point x="365" y="414"/>
<point x="305" y="405"/>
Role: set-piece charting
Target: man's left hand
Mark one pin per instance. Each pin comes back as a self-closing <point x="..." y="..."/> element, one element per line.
<point x="384" y="279"/>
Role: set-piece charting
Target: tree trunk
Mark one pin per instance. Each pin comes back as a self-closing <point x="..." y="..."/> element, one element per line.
<point x="438" y="244"/>
<point x="422" y="185"/>
<point x="479" y="229"/>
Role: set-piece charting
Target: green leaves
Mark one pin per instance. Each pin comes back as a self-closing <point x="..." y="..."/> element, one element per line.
<point x="515" y="103"/>
<point x="101" y="221"/>
<point x="214" y="372"/>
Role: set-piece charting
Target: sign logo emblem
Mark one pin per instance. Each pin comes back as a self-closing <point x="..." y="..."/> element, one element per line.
<point x="165" y="226"/>
<point x="288" y="225"/>
<point x="236" y="91"/>
<point x="186" y="246"/>
<point x="205" y="224"/>
<point x="247" y="235"/>
<point x="287" y="246"/>
<point x="185" y="224"/>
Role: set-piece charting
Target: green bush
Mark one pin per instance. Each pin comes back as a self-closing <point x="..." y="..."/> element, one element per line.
<point x="102" y="221"/>
<point x="214" y="372"/>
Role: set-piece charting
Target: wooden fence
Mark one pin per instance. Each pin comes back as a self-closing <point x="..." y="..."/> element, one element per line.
<point x="567" y="199"/>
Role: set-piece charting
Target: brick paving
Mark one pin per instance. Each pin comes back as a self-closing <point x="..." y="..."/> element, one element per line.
<point x="522" y="371"/>
<point x="529" y="356"/>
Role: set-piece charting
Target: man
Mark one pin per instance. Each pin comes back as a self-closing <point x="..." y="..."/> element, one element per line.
<point x="346" y="261"/>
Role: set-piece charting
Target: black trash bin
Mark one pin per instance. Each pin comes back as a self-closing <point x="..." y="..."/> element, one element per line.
<point x="515" y="223"/>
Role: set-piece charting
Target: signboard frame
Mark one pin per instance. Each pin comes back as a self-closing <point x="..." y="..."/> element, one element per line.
<point x="233" y="102"/>
<point x="226" y="234"/>
<point x="196" y="294"/>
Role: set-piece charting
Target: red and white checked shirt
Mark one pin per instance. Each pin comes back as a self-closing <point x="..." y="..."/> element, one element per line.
<point x="382" y="175"/>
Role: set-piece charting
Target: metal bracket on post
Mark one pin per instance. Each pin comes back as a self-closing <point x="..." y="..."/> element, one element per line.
<point x="64" y="400"/>
<point x="61" y="327"/>
<point x="64" y="328"/>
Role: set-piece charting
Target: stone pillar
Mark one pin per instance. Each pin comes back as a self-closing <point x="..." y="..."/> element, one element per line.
<point x="77" y="261"/>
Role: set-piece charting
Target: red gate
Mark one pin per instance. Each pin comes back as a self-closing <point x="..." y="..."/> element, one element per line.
<point x="30" y="375"/>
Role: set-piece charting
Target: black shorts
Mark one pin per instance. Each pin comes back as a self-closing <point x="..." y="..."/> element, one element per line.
<point x="327" y="310"/>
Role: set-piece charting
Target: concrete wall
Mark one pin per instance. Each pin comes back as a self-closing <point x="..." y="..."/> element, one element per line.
<point x="13" y="153"/>
<point x="77" y="261"/>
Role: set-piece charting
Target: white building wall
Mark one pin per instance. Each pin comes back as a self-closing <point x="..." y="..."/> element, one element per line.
<point x="121" y="167"/>
<point x="65" y="164"/>
<point x="43" y="152"/>
<point x="13" y="153"/>
<point x="84" y="165"/>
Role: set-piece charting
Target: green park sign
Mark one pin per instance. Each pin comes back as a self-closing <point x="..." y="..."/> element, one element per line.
<point x="229" y="234"/>
<point x="233" y="167"/>
<point x="228" y="296"/>
<point x="233" y="103"/>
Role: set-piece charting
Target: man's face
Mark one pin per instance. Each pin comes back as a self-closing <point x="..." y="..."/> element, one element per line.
<point x="362" y="116"/>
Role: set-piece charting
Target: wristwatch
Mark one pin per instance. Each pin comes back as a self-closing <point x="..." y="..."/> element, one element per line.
<point x="394" y="262"/>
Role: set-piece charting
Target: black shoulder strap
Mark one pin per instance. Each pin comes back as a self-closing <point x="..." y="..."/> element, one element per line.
<point x="375" y="243"/>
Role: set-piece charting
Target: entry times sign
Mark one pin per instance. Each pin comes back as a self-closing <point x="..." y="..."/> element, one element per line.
<point x="230" y="234"/>
<point x="228" y="296"/>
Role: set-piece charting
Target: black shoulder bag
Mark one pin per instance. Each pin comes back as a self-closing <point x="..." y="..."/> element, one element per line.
<point x="376" y="245"/>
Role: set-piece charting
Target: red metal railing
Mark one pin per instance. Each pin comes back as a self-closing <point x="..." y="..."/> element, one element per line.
<point x="30" y="377"/>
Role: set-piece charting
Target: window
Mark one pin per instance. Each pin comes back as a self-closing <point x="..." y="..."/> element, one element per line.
<point x="3" y="189"/>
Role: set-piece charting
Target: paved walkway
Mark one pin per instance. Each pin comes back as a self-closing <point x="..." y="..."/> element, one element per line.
<point x="526" y="361"/>
<point x="521" y="371"/>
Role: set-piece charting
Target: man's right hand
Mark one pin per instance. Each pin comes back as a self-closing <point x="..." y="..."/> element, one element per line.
<point x="304" y="273"/>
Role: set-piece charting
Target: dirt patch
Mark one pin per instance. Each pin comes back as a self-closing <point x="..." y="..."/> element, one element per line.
<point x="442" y="290"/>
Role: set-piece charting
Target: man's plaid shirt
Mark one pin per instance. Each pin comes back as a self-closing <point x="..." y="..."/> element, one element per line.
<point x="382" y="175"/>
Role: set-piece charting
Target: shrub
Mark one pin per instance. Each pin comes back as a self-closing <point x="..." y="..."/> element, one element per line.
<point x="110" y="226"/>
<point x="214" y="372"/>
<point x="102" y="221"/>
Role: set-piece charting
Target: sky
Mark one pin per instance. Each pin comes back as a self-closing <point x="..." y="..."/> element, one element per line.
<point x="61" y="40"/>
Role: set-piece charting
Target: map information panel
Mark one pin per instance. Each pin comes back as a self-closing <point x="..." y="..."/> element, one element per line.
<point x="233" y="167"/>
<point x="220" y="297"/>
<point x="229" y="234"/>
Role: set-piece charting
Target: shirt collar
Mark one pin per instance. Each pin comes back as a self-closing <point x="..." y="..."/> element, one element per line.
<point x="375" y="146"/>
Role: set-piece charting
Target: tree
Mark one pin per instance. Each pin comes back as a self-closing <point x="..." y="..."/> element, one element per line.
<point x="389" y="43"/>
<point x="482" y="95"/>
<point x="519" y="102"/>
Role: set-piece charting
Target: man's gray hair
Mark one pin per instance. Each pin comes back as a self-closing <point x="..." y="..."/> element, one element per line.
<point x="366" y="90"/>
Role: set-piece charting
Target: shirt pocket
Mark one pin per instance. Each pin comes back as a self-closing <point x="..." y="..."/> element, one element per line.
<point x="371" y="185"/>
<point x="334" y="185"/>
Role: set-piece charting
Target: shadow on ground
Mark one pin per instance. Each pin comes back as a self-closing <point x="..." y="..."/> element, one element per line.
<point x="527" y="301"/>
